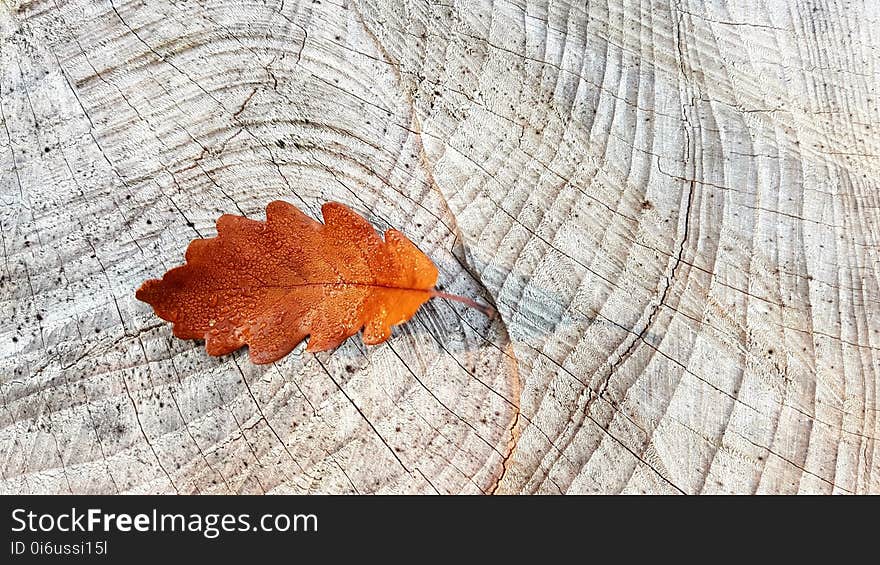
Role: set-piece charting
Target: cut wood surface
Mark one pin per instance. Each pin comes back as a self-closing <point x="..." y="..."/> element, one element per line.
<point x="673" y="205"/>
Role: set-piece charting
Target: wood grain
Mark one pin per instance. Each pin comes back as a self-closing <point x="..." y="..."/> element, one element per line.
<point x="674" y="207"/>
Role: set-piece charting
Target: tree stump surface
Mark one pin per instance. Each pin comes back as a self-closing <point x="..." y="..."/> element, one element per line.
<point x="674" y="207"/>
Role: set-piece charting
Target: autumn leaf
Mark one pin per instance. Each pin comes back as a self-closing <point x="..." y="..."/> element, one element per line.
<point x="271" y="284"/>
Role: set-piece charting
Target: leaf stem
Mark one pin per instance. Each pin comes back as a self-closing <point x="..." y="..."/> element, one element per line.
<point x="487" y="310"/>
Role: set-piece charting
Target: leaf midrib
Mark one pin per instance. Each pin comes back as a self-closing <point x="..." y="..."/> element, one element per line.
<point x="302" y="285"/>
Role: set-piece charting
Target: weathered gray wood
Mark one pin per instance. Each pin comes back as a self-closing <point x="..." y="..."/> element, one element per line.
<point x="674" y="206"/>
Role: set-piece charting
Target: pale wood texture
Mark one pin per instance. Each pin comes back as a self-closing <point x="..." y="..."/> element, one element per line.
<point x="674" y="206"/>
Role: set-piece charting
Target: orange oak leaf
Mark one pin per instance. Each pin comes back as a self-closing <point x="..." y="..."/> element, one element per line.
<point x="270" y="284"/>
